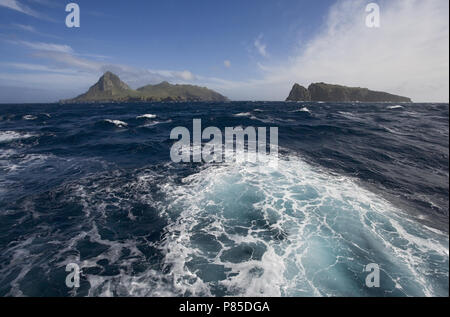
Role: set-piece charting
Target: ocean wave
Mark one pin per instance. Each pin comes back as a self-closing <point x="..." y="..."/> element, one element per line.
<point x="5" y="154"/>
<point x="8" y="136"/>
<point x="22" y="162"/>
<point x="29" y="117"/>
<point x="154" y="123"/>
<point x="147" y="116"/>
<point x="142" y="226"/>
<point x="395" y="107"/>
<point x="117" y="123"/>
<point x="242" y="114"/>
<point x="239" y="229"/>
<point x="304" y="109"/>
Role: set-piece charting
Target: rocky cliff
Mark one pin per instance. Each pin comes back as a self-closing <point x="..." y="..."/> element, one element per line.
<point x="299" y="93"/>
<point x="338" y="93"/>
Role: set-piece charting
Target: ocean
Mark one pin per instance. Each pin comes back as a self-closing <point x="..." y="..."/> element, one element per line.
<point x="94" y="185"/>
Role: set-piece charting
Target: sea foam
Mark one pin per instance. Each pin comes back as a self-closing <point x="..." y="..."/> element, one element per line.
<point x="295" y="231"/>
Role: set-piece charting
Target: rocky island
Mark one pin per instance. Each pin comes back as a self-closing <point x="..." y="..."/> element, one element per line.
<point x="338" y="93"/>
<point x="110" y="88"/>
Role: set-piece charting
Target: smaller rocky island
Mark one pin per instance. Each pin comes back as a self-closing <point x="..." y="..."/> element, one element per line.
<point x="110" y="88"/>
<point x="337" y="93"/>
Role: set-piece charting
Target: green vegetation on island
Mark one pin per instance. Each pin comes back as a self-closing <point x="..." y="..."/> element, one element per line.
<point x="110" y="88"/>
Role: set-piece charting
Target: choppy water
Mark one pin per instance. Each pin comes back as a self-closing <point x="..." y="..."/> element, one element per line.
<point x="94" y="185"/>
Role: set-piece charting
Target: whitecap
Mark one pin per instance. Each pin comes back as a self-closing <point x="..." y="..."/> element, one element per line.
<point x="147" y="116"/>
<point x="304" y="109"/>
<point x="395" y="107"/>
<point x="29" y="117"/>
<point x="242" y="114"/>
<point x="117" y="123"/>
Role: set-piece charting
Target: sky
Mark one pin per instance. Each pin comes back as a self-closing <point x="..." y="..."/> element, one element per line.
<point x="244" y="49"/>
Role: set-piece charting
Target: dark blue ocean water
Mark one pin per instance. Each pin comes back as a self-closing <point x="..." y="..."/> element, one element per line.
<point x="94" y="185"/>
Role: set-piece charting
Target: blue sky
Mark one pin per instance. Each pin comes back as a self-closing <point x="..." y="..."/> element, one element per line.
<point x="247" y="49"/>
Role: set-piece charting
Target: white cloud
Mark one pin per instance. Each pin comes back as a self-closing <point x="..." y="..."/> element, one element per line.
<point x="134" y="76"/>
<point x="17" y="6"/>
<point x="38" y="68"/>
<point x="24" y="27"/>
<point x="67" y="59"/>
<point x="33" y="30"/>
<point x="407" y="55"/>
<point x="170" y="74"/>
<point x="48" y="3"/>
<point x="72" y="71"/>
<point x="40" y="46"/>
<point x="64" y="55"/>
<point x="227" y="63"/>
<point x="261" y="47"/>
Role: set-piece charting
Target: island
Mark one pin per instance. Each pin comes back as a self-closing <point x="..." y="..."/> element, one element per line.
<point x="110" y="88"/>
<point x="337" y="93"/>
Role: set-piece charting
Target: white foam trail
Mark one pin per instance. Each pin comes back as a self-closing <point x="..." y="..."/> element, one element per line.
<point x="307" y="233"/>
<point x="248" y="229"/>
<point x="29" y="117"/>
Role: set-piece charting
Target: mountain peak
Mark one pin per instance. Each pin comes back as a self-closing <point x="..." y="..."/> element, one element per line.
<point x="164" y="83"/>
<point x="110" y="82"/>
<point x="109" y="75"/>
